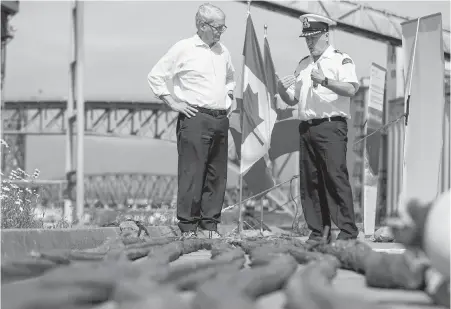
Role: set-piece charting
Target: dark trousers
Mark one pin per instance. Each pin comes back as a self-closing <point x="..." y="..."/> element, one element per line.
<point x="202" y="144"/>
<point x="325" y="189"/>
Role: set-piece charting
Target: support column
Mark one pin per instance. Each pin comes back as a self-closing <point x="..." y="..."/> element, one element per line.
<point x="387" y="192"/>
<point x="4" y="38"/>
<point x="79" y="52"/>
<point x="75" y="173"/>
<point x="69" y="197"/>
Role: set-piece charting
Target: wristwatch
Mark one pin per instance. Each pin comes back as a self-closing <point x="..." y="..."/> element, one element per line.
<point x="325" y="82"/>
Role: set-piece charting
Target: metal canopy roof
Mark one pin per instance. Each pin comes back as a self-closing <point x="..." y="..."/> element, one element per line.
<point x="351" y="17"/>
<point x="10" y="7"/>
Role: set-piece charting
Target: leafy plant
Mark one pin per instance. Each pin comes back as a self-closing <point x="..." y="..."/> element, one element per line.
<point x="18" y="203"/>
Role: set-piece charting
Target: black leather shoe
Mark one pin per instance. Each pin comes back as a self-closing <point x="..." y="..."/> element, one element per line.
<point x="345" y="236"/>
<point x="313" y="240"/>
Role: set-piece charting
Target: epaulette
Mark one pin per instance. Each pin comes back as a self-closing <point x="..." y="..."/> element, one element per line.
<point x="303" y="59"/>
<point x="296" y="72"/>
<point x="346" y="58"/>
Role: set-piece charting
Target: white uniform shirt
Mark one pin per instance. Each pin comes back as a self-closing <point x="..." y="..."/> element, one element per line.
<point x="320" y="102"/>
<point x="200" y="75"/>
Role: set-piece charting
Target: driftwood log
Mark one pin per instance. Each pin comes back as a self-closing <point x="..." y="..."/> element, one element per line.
<point x="195" y="273"/>
<point x="42" y="262"/>
<point x="265" y="253"/>
<point x="97" y="280"/>
<point x="158" y="284"/>
<point x="311" y="289"/>
<point x="396" y="271"/>
<point x="381" y="270"/>
<point x="240" y="289"/>
<point x="351" y="253"/>
<point x="391" y="271"/>
<point x="133" y="272"/>
<point x="74" y="285"/>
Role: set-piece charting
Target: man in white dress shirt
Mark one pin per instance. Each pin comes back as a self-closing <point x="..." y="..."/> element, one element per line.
<point x="322" y="86"/>
<point x="202" y="74"/>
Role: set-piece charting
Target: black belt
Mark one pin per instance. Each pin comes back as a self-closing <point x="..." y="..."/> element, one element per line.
<point x="315" y="122"/>
<point x="211" y="112"/>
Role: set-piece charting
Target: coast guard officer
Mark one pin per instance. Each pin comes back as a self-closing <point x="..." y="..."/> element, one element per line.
<point x="322" y="86"/>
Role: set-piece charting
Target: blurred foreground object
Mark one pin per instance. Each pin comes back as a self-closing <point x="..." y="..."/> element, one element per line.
<point x="436" y="238"/>
<point x="428" y="231"/>
<point x="9" y="8"/>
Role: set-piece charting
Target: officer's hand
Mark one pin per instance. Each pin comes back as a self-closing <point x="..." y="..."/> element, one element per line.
<point x="317" y="75"/>
<point x="230" y="94"/>
<point x="285" y="83"/>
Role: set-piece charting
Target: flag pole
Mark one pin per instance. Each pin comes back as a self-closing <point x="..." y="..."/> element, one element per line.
<point x="269" y="114"/>
<point x="240" y="213"/>
<point x="240" y="217"/>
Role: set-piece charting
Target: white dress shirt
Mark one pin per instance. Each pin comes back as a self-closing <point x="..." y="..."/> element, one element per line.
<point x="320" y="102"/>
<point x="200" y="75"/>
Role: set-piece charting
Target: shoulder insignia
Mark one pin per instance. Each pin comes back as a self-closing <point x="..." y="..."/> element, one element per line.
<point x="338" y="52"/>
<point x="346" y="60"/>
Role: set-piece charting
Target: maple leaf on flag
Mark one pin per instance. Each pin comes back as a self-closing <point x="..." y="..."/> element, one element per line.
<point x="251" y="112"/>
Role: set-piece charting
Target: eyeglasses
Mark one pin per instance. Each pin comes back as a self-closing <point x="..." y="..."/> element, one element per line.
<point x="219" y="29"/>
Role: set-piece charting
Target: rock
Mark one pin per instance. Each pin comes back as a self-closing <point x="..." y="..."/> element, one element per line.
<point x="131" y="228"/>
<point x="128" y="228"/>
<point x="384" y="234"/>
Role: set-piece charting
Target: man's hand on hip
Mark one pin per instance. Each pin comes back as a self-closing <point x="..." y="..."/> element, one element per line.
<point x="184" y="108"/>
<point x="180" y="107"/>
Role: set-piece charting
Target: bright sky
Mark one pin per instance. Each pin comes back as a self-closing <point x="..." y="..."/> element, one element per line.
<point x="123" y="40"/>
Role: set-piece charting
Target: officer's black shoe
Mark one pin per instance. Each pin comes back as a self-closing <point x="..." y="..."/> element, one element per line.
<point x="315" y="239"/>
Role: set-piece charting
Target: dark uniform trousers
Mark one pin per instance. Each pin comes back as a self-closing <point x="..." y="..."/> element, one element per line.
<point x="325" y="189"/>
<point x="202" y="145"/>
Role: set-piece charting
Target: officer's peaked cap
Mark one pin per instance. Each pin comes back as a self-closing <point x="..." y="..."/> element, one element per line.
<point x="313" y="24"/>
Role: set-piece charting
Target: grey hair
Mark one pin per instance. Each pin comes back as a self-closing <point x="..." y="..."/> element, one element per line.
<point x="206" y="12"/>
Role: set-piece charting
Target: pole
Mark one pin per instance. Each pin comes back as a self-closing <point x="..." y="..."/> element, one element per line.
<point x="240" y="214"/>
<point x="381" y="200"/>
<point x="3" y="70"/>
<point x="68" y="196"/>
<point x="79" y="48"/>
<point x="2" y="94"/>
<point x="364" y="154"/>
<point x="268" y="131"/>
<point x="4" y="42"/>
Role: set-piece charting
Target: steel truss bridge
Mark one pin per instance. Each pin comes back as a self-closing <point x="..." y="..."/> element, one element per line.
<point x="123" y="119"/>
<point x="153" y="119"/>
<point x="146" y="119"/>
